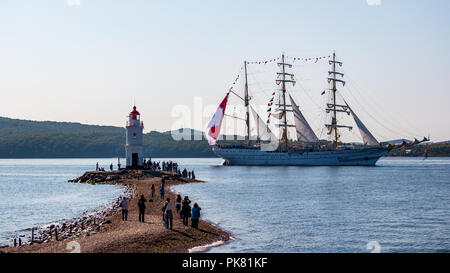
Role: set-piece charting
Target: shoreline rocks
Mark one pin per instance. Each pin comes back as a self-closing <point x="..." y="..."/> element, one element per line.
<point x="90" y="222"/>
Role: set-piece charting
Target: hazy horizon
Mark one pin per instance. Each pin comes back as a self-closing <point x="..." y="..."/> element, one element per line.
<point x="89" y="61"/>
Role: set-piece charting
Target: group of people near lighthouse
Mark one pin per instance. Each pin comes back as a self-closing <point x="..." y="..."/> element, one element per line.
<point x="168" y="166"/>
<point x="182" y="206"/>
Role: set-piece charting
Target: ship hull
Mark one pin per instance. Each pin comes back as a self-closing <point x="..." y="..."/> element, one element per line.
<point x="256" y="157"/>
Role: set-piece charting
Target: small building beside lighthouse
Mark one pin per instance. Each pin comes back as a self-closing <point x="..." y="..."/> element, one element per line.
<point x="134" y="147"/>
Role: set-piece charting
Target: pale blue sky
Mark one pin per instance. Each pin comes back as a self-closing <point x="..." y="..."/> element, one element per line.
<point x="86" y="63"/>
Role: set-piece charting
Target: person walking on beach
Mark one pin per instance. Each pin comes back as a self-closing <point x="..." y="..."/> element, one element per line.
<point x="124" y="205"/>
<point x="141" y="205"/>
<point x="96" y="167"/>
<point x="164" y="214"/>
<point x="153" y="190"/>
<point x="161" y="191"/>
<point x="163" y="181"/>
<point x="178" y="203"/>
<point x="195" y="215"/>
<point x="186" y="210"/>
<point x="169" y="214"/>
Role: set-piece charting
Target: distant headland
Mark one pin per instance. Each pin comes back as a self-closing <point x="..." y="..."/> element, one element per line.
<point x="49" y="139"/>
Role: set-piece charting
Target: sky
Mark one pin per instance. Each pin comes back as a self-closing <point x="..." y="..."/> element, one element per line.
<point x="89" y="61"/>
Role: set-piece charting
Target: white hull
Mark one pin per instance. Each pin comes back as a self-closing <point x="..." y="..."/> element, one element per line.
<point x="256" y="157"/>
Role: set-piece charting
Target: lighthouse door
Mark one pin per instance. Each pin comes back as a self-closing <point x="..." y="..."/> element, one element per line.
<point x="134" y="160"/>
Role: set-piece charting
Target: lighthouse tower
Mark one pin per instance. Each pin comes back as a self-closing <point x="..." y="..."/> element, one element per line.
<point x="134" y="148"/>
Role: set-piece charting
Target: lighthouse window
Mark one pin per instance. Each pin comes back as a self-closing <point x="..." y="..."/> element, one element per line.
<point x="134" y="135"/>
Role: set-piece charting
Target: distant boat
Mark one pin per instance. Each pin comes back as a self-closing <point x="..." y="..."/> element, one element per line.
<point x="269" y="149"/>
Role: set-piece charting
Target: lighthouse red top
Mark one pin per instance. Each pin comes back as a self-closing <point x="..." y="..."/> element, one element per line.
<point x="134" y="113"/>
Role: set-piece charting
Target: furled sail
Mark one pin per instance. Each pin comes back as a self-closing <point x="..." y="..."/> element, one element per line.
<point x="304" y="131"/>
<point x="368" y="138"/>
<point x="262" y="129"/>
<point x="277" y="115"/>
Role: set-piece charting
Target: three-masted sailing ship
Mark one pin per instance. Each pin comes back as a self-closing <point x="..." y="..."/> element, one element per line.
<point x="269" y="149"/>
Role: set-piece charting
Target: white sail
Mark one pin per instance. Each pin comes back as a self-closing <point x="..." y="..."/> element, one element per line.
<point x="368" y="138"/>
<point x="304" y="131"/>
<point x="277" y="115"/>
<point x="262" y="129"/>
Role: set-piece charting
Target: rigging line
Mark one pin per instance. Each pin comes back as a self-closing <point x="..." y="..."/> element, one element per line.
<point x="390" y="129"/>
<point x="395" y="125"/>
<point x="256" y="82"/>
<point x="314" y="120"/>
<point x="395" y="132"/>
<point x="382" y="123"/>
<point x="358" y="88"/>
<point x="319" y="128"/>
<point x="306" y="92"/>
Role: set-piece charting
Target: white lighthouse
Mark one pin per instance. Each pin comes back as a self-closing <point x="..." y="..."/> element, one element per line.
<point x="134" y="147"/>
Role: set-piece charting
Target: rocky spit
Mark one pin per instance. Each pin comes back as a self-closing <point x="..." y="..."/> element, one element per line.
<point x="90" y="222"/>
<point x="103" y="231"/>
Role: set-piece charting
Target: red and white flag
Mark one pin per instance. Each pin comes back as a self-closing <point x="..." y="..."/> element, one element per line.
<point x="216" y="122"/>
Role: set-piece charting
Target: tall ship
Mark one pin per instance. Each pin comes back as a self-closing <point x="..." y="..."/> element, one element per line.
<point x="270" y="148"/>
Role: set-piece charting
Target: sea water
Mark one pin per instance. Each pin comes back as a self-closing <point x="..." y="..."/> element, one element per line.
<point x="400" y="205"/>
<point x="35" y="192"/>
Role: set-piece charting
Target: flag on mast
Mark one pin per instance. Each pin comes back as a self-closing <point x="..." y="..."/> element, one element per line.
<point x="216" y="122"/>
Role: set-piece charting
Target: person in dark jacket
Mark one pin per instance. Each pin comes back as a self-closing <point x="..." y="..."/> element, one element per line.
<point x="161" y="191"/>
<point x="178" y="203"/>
<point x="141" y="205"/>
<point x="186" y="210"/>
<point x="195" y="215"/>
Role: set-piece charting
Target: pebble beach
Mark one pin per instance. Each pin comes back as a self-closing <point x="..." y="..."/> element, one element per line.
<point x="103" y="231"/>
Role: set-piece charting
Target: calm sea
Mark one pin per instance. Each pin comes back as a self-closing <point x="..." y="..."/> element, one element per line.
<point x="34" y="192"/>
<point x="401" y="205"/>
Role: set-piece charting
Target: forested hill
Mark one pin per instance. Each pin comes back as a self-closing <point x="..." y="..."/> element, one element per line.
<point x="47" y="139"/>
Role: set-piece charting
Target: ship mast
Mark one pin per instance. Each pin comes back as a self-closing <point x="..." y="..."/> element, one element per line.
<point x="247" y="105"/>
<point x="283" y="89"/>
<point x="334" y="120"/>
<point x="283" y="81"/>
<point x="333" y="105"/>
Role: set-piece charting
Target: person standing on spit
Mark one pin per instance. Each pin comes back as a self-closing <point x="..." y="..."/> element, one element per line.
<point x="164" y="214"/>
<point x="161" y="191"/>
<point x="186" y="210"/>
<point x="163" y="181"/>
<point x="124" y="205"/>
<point x="195" y="215"/>
<point x="169" y="214"/>
<point x="141" y="205"/>
<point x="178" y="203"/>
